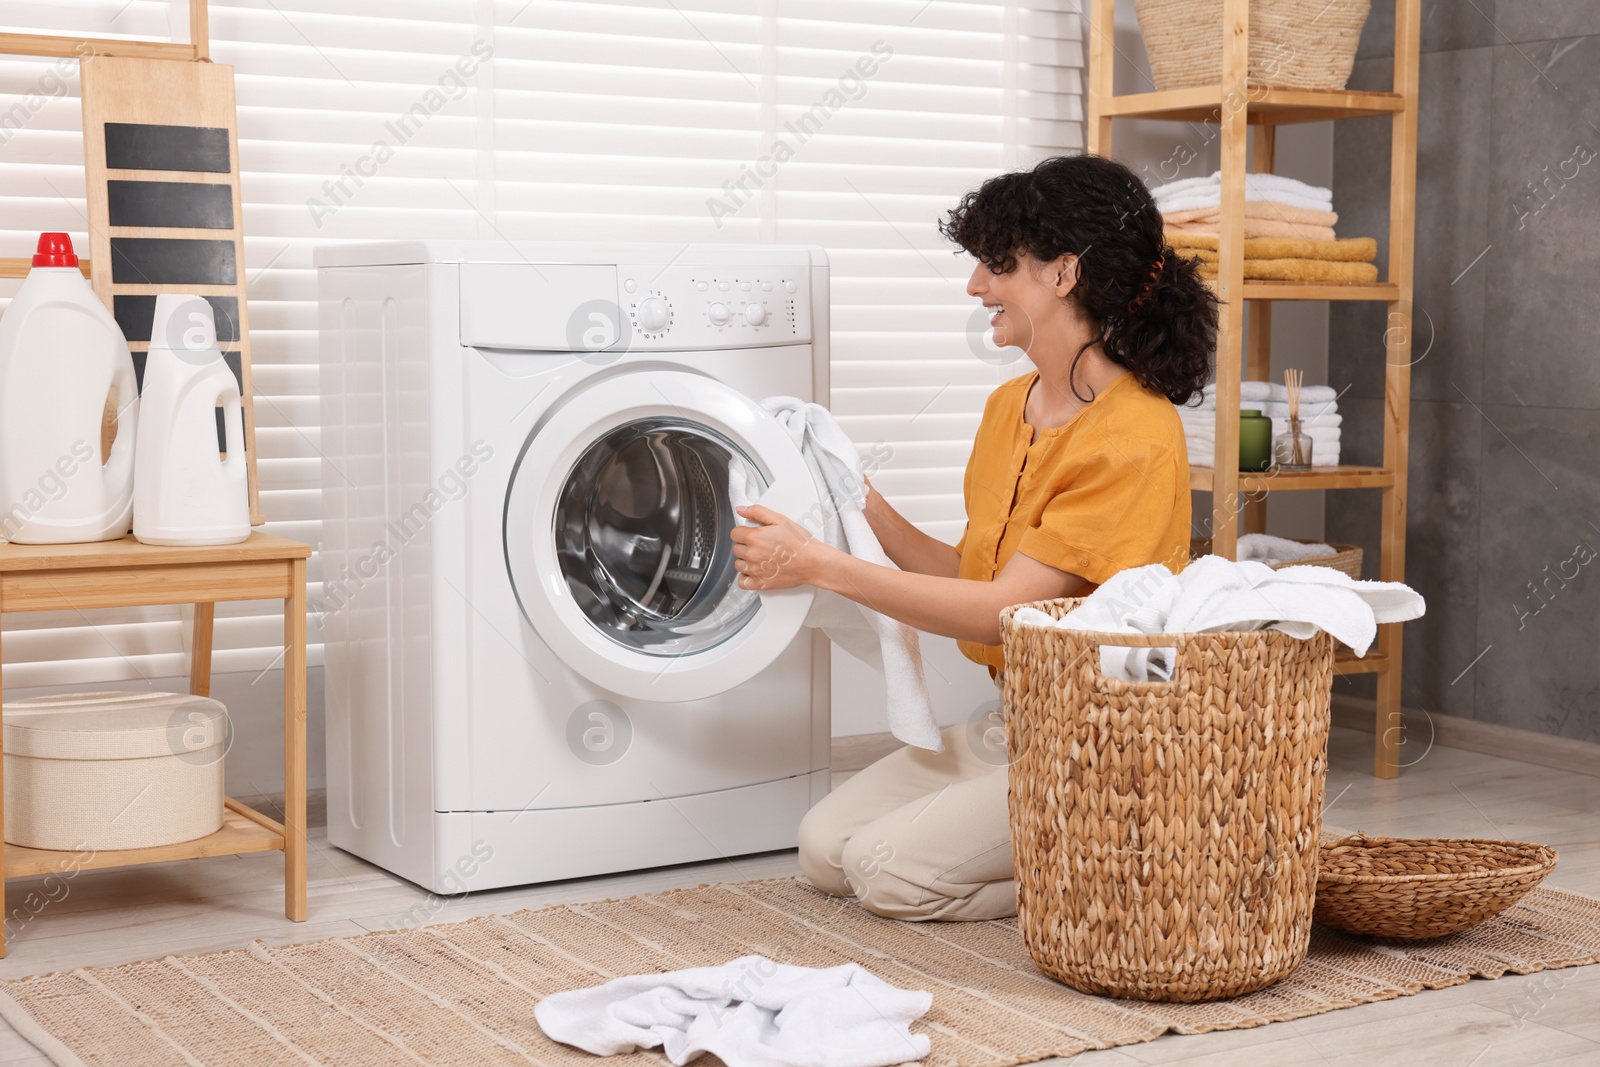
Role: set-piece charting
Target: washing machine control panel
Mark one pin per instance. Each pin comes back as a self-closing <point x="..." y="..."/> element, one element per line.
<point x="689" y="307"/>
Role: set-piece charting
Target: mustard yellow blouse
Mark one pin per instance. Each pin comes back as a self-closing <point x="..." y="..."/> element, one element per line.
<point x="1107" y="491"/>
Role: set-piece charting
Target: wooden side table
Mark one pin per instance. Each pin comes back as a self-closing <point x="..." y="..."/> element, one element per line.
<point x="124" y="573"/>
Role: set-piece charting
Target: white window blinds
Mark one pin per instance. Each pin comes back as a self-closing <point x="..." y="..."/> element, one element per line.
<point x="850" y="124"/>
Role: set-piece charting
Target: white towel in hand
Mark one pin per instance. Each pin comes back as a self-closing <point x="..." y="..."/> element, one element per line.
<point x="1213" y="594"/>
<point x="750" y="1012"/>
<point x="886" y="643"/>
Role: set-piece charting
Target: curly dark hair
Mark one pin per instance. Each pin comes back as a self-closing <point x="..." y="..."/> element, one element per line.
<point x="1156" y="316"/>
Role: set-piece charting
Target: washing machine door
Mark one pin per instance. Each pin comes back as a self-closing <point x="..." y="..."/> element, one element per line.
<point x="617" y="530"/>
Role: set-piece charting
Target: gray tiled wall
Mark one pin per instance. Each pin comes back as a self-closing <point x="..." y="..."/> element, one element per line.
<point x="1503" y="528"/>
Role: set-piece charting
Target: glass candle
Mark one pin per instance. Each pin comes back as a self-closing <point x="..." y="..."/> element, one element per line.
<point x="1291" y="451"/>
<point x="1255" y="440"/>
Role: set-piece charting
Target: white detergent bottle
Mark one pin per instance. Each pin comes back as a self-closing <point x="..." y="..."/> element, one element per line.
<point x="62" y="357"/>
<point x="186" y="492"/>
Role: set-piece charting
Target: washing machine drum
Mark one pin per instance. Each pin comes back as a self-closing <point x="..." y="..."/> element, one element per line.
<point x="617" y="529"/>
<point x="642" y="536"/>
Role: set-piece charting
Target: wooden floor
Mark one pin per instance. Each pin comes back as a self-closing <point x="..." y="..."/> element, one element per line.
<point x="117" y="916"/>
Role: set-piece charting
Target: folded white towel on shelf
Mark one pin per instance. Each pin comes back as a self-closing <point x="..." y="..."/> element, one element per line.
<point x="1273" y="409"/>
<point x="1203" y="450"/>
<point x="1213" y="594"/>
<point x="876" y="639"/>
<point x="1265" y="548"/>
<point x="1322" y="435"/>
<point x="749" y="1012"/>
<point x="1171" y="189"/>
<point x="1276" y="391"/>
<point x="1206" y="418"/>
<point x="1212" y="198"/>
<point x="1256" y="187"/>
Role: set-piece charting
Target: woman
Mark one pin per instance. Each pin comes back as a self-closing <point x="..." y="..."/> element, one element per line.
<point x="1078" y="471"/>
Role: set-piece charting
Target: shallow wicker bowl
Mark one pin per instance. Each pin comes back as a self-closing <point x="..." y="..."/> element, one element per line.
<point x="1347" y="558"/>
<point x="1422" y="887"/>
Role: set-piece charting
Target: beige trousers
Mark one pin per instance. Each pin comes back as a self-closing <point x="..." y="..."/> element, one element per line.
<point x="921" y="835"/>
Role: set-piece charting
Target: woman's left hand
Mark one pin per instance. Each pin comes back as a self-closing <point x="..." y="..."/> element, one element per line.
<point x="778" y="554"/>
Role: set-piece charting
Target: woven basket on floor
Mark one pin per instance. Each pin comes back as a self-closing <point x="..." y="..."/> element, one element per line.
<point x="1346" y="559"/>
<point x="1305" y="44"/>
<point x="1165" y="833"/>
<point x="1423" y="887"/>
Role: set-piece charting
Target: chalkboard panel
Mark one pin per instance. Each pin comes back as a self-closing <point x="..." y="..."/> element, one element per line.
<point x="141" y="146"/>
<point x="136" y="315"/>
<point x="172" y="261"/>
<point x="190" y="204"/>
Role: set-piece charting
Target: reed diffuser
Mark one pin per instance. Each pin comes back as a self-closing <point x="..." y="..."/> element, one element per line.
<point x="1292" y="451"/>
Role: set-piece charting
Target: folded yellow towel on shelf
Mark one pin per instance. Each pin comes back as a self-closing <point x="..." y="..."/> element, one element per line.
<point x="1301" y="270"/>
<point x="1349" y="249"/>
<point x="1260" y="228"/>
<point x="1258" y="209"/>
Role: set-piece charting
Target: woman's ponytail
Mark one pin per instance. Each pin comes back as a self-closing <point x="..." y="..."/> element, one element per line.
<point x="1167" y="334"/>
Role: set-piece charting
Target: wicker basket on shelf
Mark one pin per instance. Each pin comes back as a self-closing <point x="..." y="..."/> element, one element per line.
<point x="1165" y="832"/>
<point x="1347" y="558"/>
<point x="1302" y="44"/>
<point x="1424" y="887"/>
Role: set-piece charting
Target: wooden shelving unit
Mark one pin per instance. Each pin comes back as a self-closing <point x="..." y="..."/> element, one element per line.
<point x="125" y="573"/>
<point x="1249" y="115"/>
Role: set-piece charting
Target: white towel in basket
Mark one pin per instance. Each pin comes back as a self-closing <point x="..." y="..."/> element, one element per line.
<point x="1214" y="594"/>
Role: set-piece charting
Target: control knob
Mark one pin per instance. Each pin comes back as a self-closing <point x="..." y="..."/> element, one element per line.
<point x="755" y="314"/>
<point x="719" y="314"/>
<point x="654" y="314"/>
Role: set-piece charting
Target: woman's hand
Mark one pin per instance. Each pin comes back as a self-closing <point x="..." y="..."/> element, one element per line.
<point x="778" y="554"/>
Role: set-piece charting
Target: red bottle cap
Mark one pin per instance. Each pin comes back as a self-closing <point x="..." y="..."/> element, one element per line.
<point x="55" y="250"/>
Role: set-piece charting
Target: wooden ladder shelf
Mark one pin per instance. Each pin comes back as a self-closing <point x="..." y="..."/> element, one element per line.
<point x="1249" y="115"/>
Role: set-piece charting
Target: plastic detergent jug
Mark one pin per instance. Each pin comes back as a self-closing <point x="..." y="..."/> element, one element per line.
<point x="62" y="358"/>
<point x="187" y="492"/>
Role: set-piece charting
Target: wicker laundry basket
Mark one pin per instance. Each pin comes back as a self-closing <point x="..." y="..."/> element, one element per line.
<point x="1303" y="44"/>
<point x="1165" y="833"/>
<point x="1346" y="558"/>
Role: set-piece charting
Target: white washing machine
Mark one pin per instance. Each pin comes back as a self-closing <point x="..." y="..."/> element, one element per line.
<point x="539" y="662"/>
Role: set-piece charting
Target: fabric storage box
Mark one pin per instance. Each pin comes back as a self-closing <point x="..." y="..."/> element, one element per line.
<point x="110" y="771"/>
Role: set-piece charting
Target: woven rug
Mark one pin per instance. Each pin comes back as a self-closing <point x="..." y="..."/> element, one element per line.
<point x="464" y="993"/>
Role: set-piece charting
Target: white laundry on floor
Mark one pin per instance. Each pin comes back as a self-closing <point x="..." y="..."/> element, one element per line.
<point x="750" y="1012"/>
<point x="876" y="639"/>
<point x="1214" y="594"/>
